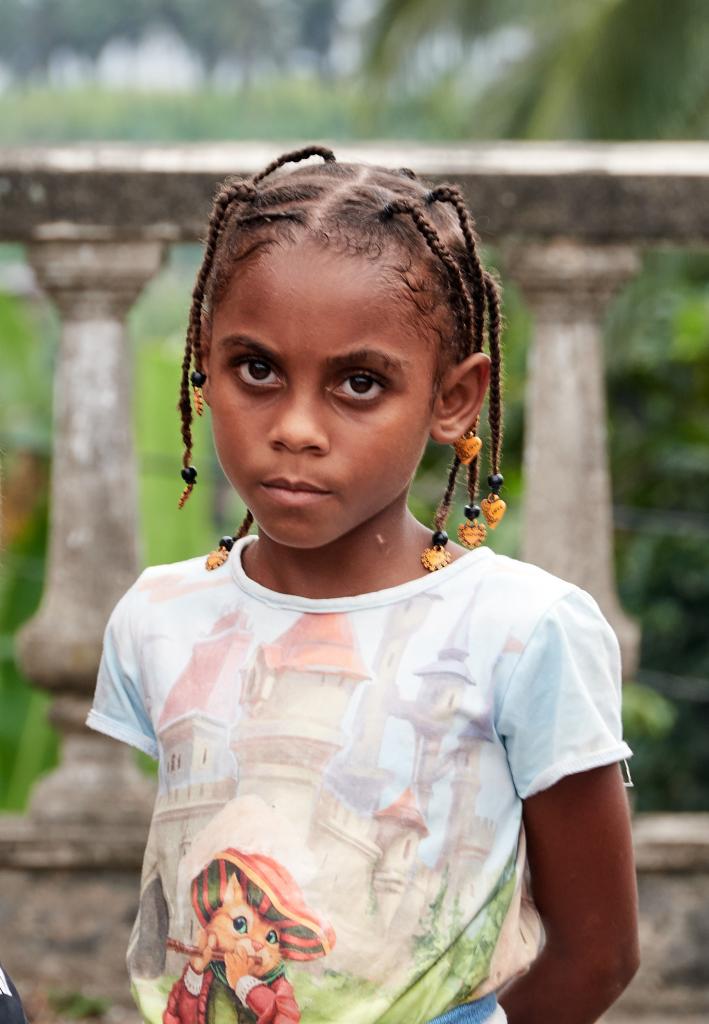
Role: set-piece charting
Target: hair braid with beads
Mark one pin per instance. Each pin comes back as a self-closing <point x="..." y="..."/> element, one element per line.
<point x="485" y="293"/>
<point x="355" y="206"/>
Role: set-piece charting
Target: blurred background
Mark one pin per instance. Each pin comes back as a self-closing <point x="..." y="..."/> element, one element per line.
<point x="171" y="71"/>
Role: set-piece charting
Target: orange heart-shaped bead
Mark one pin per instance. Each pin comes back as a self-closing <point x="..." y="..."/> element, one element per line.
<point x="216" y="558"/>
<point x="471" y="534"/>
<point x="435" y="558"/>
<point x="466" y="448"/>
<point x="493" y="509"/>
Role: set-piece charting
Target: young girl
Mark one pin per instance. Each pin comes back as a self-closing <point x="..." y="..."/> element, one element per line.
<point x="389" y="782"/>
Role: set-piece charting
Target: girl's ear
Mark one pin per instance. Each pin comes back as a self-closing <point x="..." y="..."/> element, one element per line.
<point x="460" y="398"/>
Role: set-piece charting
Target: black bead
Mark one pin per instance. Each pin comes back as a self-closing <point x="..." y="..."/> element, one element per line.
<point x="496" y="480"/>
<point x="189" y="474"/>
<point x="440" y="537"/>
<point x="227" y="543"/>
<point x="471" y="511"/>
<point x="198" y="378"/>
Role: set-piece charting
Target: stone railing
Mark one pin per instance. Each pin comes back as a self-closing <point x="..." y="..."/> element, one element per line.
<point x="570" y="223"/>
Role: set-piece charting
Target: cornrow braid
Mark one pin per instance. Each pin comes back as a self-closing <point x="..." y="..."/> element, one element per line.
<point x="473" y="474"/>
<point x="443" y="510"/>
<point x="474" y="317"/>
<point x="492" y="298"/>
<point x="192" y="343"/>
<point x="245" y="526"/>
<point x="294" y="157"/>
<point x="492" y="506"/>
<point x="485" y="294"/>
<point x="450" y="194"/>
<point x="492" y="294"/>
<point x="240" y="190"/>
<point x="438" y="248"/>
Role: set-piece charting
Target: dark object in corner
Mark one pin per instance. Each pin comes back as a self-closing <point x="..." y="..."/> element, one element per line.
<point x="11" y="1009"/>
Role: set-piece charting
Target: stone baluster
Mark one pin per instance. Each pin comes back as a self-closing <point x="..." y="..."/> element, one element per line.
<point x="93" y="547"/>
<point x="567" y="515"/>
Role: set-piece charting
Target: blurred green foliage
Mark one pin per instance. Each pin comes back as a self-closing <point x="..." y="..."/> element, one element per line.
<point x="646" y="714"/>
<point x="657" y="360"/>
<point x="28" y="744"/>
<point x="256" y="34"/>
<point x="77" y="1005"/>
<point x="281" y="109"/>
<point x="582" y="69"/>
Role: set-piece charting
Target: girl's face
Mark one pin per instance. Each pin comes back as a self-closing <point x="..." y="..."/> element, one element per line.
<point x="316" y="376"/>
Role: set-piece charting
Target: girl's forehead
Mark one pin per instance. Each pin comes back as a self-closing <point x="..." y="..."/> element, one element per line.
<point x="281" y="271"/>
<point x="297" y="288"/>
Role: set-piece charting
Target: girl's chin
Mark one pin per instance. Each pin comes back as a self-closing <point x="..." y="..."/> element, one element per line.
<point x="292" y="531"/>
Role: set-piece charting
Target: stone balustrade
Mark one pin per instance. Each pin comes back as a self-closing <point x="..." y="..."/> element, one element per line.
<point x="570" y="223"/>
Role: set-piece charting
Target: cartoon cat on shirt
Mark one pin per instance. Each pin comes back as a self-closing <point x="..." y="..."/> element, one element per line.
<point x="253" y="918"/>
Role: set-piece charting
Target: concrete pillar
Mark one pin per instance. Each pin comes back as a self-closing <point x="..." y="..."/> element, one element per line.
<point x="93" y="546"/>
<point x="567" y="514"/>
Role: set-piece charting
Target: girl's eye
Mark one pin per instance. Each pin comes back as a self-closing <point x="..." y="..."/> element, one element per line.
<point x="272" y="937"/>
<point x="241" y="925"/>
<point x="362" y="386"/>
<point x="257" y="372"/>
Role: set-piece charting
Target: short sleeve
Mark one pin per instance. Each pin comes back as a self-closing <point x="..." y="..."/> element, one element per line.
<point x="560" y="712"/>
<point x="118" y="706"/>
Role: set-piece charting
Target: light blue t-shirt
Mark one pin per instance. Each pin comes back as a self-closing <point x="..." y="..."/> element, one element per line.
<point x="341" y="783"/>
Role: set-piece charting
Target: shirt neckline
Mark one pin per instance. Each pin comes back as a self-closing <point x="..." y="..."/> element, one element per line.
<point x="372" y="599"/>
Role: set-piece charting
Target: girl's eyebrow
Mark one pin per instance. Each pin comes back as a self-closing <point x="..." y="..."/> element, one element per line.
<point x="332" y="362"/>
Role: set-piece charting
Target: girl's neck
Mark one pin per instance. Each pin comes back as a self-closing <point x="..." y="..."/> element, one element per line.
<point x="374" y="556"/>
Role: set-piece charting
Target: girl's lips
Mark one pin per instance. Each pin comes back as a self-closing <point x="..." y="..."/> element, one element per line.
<point x="294" y="499"/>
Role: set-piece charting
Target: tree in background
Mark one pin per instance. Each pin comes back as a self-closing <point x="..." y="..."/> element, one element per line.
<point x="249" y="34"/>
<point x="581" y="69"/>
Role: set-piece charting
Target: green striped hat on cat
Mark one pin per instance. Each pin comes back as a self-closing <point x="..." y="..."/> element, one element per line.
<point x="272" y="891"/>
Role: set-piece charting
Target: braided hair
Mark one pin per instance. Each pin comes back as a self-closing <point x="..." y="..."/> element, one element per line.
<point x="366" y="209"/>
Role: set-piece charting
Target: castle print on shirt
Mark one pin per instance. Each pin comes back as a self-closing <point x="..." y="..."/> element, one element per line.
<point x="297" y="754"/>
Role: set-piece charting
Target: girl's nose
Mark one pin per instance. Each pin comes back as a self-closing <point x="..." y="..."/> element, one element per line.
<point x="298" y="425"/>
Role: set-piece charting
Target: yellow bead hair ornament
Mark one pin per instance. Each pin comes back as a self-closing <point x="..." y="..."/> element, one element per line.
<point x="467" y="447"/>
<point x="471" y="533"/>
<point x="219" y="556"/>
<point x="189" y="475"/>
<point x="436" y="557"/>
<point x="493" y="507"/>
<point x="198" y="379"/>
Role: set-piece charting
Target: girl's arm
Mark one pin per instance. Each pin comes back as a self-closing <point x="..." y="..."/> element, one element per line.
<point x="579" y="845"/>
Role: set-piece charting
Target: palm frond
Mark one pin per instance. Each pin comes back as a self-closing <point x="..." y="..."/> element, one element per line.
<point x="626" y="69"/>
<point x="598" y="69"/>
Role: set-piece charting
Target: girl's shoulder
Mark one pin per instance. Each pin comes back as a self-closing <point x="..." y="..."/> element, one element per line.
<point x="517" y="600"/>
<point x="522" y="587"/>
<point x="164" y="588"/>
<point x="187" y="569"/>
<point x="514" y="572"/>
